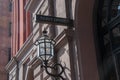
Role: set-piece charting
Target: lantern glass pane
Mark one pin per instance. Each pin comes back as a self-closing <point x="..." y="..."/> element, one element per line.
<point x="52" y="50"/>
<point x="47" y="40"/>
<point x="49" y="49"/>
<point x="40" y="41"/>
<point x="42" y="45"/>
<point x="42" y="51"/>
<point x="48" y="45"/>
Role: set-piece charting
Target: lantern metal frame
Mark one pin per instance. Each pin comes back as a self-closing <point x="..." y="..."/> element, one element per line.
<point x="56" y="67"/>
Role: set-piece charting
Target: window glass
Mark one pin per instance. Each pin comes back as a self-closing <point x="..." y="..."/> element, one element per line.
<point x="115" y="10"/>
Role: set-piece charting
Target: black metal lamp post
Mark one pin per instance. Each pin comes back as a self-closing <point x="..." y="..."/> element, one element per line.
<point x="46" y="53"/>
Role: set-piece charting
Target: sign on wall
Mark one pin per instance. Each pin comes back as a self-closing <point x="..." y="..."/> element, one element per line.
<point x="54" y="20"/>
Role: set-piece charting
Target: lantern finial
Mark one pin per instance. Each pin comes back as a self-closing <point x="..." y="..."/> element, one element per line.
<point x="44" y="32"/>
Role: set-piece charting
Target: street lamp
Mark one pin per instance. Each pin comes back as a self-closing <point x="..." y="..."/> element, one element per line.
<point x="46" y="53"/>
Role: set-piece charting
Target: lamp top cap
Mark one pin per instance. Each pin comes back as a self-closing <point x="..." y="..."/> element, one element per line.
<point x="44" y="32"/>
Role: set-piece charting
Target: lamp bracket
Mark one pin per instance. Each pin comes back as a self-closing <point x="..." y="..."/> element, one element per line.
<point x="55" y="69"/>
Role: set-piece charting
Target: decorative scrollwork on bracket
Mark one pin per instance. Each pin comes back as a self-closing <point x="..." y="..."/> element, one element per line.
<point x="57" y="70"/>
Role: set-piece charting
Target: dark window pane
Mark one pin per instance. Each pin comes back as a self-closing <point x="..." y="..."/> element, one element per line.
<point x="118" y="63"/>
<point x="115" y="8"/>
<point x="109" y="69"/>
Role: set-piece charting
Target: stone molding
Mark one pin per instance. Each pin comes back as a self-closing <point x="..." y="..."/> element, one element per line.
<point x="11" y="64"/>
<point x="20" y="53"/>
<point x="31" y="5"/>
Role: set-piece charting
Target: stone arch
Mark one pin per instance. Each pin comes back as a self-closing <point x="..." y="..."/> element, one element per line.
<point x="84" y="34"/>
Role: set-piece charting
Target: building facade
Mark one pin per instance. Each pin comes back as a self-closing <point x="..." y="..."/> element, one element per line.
<point x="5" y="33"/>
<point x="87" y="50"/>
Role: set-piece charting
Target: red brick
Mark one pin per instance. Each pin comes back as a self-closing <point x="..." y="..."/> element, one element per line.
<point x="5" y="39"/>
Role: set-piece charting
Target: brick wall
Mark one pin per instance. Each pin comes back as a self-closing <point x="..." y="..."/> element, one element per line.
<point x="4" y="37"/>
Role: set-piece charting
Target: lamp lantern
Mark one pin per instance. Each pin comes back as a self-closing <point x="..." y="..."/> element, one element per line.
<point x="45" y="47"/>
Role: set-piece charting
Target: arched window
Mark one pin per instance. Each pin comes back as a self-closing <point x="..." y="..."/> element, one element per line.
<point x="108" y="21"/>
